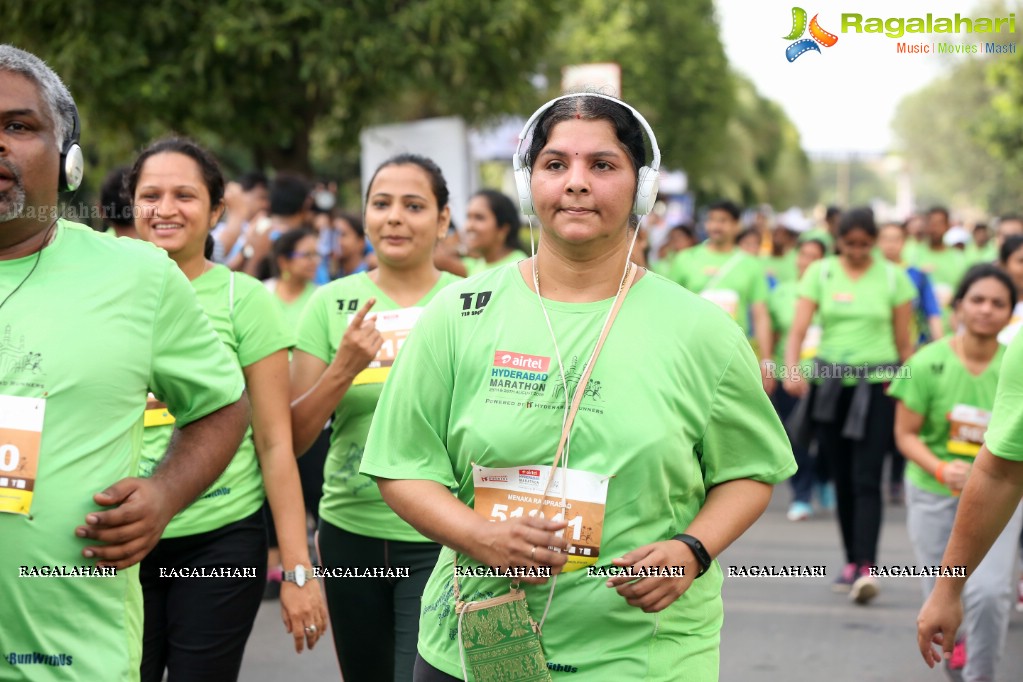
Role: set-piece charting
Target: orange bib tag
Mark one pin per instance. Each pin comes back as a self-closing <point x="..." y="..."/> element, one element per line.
<point x="394" y="326"/>
<point x="966" y="428"/>
<point x="503" y="494"/>
<point x="21" y="433"/>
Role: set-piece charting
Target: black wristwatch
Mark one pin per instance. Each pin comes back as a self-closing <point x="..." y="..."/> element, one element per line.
<point x="702" y="555"/>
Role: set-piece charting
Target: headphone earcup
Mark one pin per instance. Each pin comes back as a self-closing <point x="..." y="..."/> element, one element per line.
<point x="646" y="191"/>
<point x="72" y="169"/>
<point x="524" y="191"/>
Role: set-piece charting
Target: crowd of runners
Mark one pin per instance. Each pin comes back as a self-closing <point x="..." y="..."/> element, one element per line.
<point x="507" y="450"/>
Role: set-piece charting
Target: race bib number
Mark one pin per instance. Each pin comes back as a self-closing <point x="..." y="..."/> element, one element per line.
<point x="394" y="326"/>
<point x="21" y="433"/>
<point x="966" y="428"/>
<point x="811" y="342"/>
<point x="726" y="299"/>
<point x="503" y="494"/>
<point x="156" y="413"/>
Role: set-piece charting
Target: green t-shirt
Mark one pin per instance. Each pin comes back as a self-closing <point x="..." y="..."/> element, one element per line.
<point x="781" y="304"/>
<point x="291" y="313"/>
<point x="350" y="500"/>
<point x="1005" y="434"/>
<point x="781" y="268"/>
<point x="938" y="387"/>
<point x="856" y="316"/>
<point x="987" y="254"/>
<point x="733" y="281"/>
<point x="672" y="409"/>
<point x="474" y="266"/>
<point x="945" y="268"/>
<point x="251" y="330"/>
<point x="98" y="324"/>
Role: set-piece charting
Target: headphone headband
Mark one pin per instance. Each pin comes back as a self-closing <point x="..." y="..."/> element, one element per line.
<point x="646" y="187"/>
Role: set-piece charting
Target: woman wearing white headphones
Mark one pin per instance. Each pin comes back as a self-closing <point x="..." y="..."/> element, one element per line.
<point x="520" y="391"/>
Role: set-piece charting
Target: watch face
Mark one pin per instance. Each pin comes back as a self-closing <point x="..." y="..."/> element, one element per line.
<point x="300" y="575"/>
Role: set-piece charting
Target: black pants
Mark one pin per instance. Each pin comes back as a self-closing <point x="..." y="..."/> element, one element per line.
<point x="196" y="628"/>
<point x="810" y="471"/>
<point x="427" y="673"/>
<point x="375" y="621"/>
<point x="857" y="467"/>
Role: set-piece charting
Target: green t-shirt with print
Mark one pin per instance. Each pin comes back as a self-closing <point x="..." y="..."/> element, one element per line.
<point x="350" y="500"/>
<point x="672" y="409"/>
<point x="856" y="316"/>
<point x="987" y="254"/>
<point x="249" y="324"/>
<point x="733" y="280"/>
<point x="97" y="324"/>
<point x="474" y="266"/>
<point x="1005" y="434"/>
<point x="938" y="387"/>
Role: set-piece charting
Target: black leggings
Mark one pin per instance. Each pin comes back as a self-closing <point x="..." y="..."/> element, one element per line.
<point x="427" y="673"/>
<point x="375" y="621"/>
<point x="196" y="628"/>
<point x="857" y="467"/>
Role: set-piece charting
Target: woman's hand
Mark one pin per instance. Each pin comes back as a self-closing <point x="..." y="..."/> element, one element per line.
<point x="360" y="343"/>
<point x="523" y="542"/>
<point x="955" y="474"/>
<point x="937" y="623"/>
<point x="303" y="612"/>
<point x="653" y="594"/>
<point x="796" y="388"/>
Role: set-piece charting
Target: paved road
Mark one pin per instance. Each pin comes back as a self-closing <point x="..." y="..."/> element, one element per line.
<point x="776" y="629"/>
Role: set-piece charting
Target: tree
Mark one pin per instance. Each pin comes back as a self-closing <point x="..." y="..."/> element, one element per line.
<point x="260" y="75"/>
<point x="673" y="64"/>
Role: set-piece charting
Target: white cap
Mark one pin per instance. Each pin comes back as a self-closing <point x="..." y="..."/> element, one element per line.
<point x="956" y="235"/>
<point x="794" y="220"/>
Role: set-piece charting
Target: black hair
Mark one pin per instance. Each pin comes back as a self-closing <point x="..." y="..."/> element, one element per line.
<point x="831" y="212"/>
<point x="114" y="202"/>
<point x="857" y="219"/>
<point x="980" y="226"/>
<point x="253" y="179"/>
<point x="939" y="209"/>
<point x="505" y="213"/>
<point x="208" y="166"/>
<point x="686" y="228"/>
<point x="1011" y="244"/>
<point x="627" y="127"/>
<point x="285" y="246"/>
<point x="746" y="233"/>
<point x="818" y="242"/>
<point x="728" y="206"/>
<point x="1009" y="217"/>
<point x="288" y="194"/>
<point x="437" y="182"/>
<point x="984" y="271"/>
<point x="354" y="221"/>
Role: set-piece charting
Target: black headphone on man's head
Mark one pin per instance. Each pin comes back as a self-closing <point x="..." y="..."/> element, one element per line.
<point x="72" y="161"/>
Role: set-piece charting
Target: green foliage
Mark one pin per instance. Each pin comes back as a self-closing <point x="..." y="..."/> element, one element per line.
<point x="261" y="75"/>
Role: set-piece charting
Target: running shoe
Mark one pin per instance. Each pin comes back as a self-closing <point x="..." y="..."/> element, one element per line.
<point x="799" y="511"/>
<point x="865" y="587"/>
<point x="845" y="580"/>
<point x="826" y="496"/>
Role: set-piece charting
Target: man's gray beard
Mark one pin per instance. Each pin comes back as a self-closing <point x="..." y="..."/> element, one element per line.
<point x="12" y="203"/>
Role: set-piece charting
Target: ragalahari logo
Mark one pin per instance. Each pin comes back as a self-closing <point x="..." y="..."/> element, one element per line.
<point x="818" y="35"/>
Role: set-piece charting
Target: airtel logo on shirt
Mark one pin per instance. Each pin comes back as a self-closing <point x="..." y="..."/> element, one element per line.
<point x="505" y="358"/>
<point x="529" y="472"/>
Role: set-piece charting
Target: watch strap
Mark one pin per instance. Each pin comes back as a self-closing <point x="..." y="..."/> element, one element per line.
<point x="701" y="553"/>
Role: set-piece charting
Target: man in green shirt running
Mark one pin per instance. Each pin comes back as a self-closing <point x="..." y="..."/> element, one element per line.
<point x="77" y="358"/>
<point x="732" y="279"/>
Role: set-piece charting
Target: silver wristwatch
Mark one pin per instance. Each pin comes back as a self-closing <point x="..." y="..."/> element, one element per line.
<point x="299" y="576"/>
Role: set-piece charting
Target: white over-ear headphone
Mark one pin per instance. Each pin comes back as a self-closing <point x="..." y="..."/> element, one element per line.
<point x="646" y="187"/>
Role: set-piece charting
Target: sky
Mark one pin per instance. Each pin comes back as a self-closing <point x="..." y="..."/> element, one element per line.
<point x="843" y="98"/>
